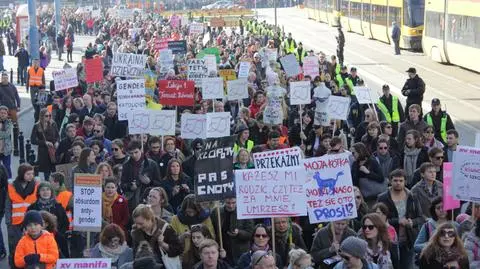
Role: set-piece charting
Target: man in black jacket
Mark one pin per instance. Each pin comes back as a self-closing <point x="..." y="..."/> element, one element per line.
<point x="413" y="89"/>
<point x="405" y="214"/>
<point x="138" y="174"/>
<point x="9" y="97"/>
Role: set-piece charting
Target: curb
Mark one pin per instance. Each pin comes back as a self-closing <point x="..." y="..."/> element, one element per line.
<point x="25" y="110"/>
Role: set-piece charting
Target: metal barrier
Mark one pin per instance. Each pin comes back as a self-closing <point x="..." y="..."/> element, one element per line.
<point x="21" y="147"/>
<point x="15" y="139"/>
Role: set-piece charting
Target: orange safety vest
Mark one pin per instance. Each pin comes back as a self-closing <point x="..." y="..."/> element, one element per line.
<point x="20" y="205"/>
<point x="63" y="198"/>
<point x="35" y="77"/>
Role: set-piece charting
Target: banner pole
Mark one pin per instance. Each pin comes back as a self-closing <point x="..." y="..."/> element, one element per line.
<point x="162" y="144"/>
<point x="213" y="104"/>
<point x="332" y="228"/>
<point x="273" y="236"/>
<point x="88" y="240"/>
<point x="220" y="236"/>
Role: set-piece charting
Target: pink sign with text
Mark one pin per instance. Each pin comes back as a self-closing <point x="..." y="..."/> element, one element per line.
<point x="448" y="201"/>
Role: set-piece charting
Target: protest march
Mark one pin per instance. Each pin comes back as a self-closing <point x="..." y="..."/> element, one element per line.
<point x="189" y="139"/>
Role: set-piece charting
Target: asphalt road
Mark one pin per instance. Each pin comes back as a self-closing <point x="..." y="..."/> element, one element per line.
<point x="457" y="88"/>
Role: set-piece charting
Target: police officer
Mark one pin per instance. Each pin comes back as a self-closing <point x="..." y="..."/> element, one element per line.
<point x="300" y="53"/>
<point x="289" y="45"/>
<point x="413" y="89"/>
<point x="440" y="121"/>
<point x="391" y="109"/>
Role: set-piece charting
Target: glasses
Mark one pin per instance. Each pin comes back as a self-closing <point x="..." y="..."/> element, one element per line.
<point x="261" y="257"/>
<point x="261" y="235"/>
<point x="439" y="157"/>
<point x="368" y="227"/>
<point x="445" y="233"/>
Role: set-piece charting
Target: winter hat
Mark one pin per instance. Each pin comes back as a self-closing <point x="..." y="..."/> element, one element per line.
<point x="354" y="246"/>
<point x="461" y="218"/>
<point x="32" y="216"/>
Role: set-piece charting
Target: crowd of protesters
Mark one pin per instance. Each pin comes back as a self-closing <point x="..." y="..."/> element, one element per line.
<point x="150" y="213"/>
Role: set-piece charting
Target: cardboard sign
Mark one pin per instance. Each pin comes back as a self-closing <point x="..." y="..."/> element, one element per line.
<point x="227" y="74"/>
<point x="237" y="89"/>
<point x="210" y="50"/>
<point x="330" y="194"/>
<point x="217" y="22"/>
<point x="150" y="83"/>
<point x="130" y="97"/>
<point x="197" y="70"/>
<point x="338" y="107"/>
<point x="278" y="158"/>
<point x="128" y="65"/>
<point x="125" y="13"/>
<point x="93" y="70"/>
<point x="165" y="61"/>
<point x="449" y="202"/>
<point x="321" y="96"/>
<point x="161" y="43"/>
<point x="175" y="21"/>
<point x="178" y="47"/>
<point x="218" y="124"/>
<point x="193" y="126"/>
<point x="95" y="263"/>
<point x="311" y="67"/>
<point x="211" y="63"/>
<point x="266" y="193"/>
<point x="65" y="78"/>
<point x="466" y="174"/>
<point x="162" y="122"/>
<point x="290" y="65"/>
<point x="176" y="92"/>
<point x="243" y="69"/>
<point x="214" y="170"/>
<point x="196" y="28"/>
<point x="212" y="88"/>
<point x="365" y="95"/>
<point x="87" y="204"/>
<point x="138" y="122"/>
<point x="300" y="93"/>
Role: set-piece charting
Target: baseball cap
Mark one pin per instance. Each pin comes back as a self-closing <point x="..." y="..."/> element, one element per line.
<point x="435" y="101"/>
<point x="411" y="70"/>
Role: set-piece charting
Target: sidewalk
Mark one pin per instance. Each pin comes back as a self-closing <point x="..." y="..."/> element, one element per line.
<point x="10" y="62"/>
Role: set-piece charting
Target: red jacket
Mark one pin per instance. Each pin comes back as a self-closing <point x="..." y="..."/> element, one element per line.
<point x="254" y="109"/>
<point x="120" y="212"/>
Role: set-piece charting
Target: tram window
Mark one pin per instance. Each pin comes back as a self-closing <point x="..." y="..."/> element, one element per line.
<point x="344" y="7"/>
<point x="323" y="5"/>
<point x="413" y="12"/>
<point x="461" y="29"/>
<point x="394" y="15"/>
<point x="355" y="10"/>
<point x="434" y="24"/>
<point x="366" y="12"/>
<point x="379" y="14"/>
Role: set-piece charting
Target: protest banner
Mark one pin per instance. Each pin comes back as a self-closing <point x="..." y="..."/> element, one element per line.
<point x="87" y="203"/>
<point x="128" y="65"/>
<point x="130" y="97"/>
<point x="101" y="263"/>
<point x="210" y="63"/>
<point x="209" y="50"/>
<point x="96" y="13"/>
<point x="150" y="83"/>
<point x="365" y="95"/>
<point x="290" y="65"/>
<point x="138" y="121"/>
<point x="93" y="70"/>
<point x="278" y="158"/>
<point x="300" y="93"/>
<point x="125" y="13"/>
<point x="243" y="69"/>
<point x="227" y="74"/>
<point x="329" y="189"/>
<point x="310" y="67"/>
<point x="237" y="89"/>
<point x="218" y="124"/>
<point x="214" y="170"/>
<point x="338" y="107"/>
<point x="271" y="55"/>
<point x="449" y="202"/>
<point x="466" y="174"/>
<point x="273" y="113"/>
<point x="212" y="88"/>
<point x="197" y="70"/>
<point x="176" y="92"/>
<point x="161" y="43"/>
<point x="165" y="62"/>
<point x="193" y="126"/>
<point x="266" y="193"/>
<point x="175" y="21"/>
<point x="217" y="22"/>
<point x="178" y="47"/>
<point x="196" y="28"/>
<point x="65" y="78"/>
<point x="162" y="122"/>
<point x="206" y="39"/>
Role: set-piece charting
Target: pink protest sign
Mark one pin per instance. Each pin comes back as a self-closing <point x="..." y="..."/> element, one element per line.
<point x="448" y="201"/>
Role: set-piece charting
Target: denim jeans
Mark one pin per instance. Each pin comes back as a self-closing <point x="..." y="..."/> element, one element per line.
<point x="6" y="161"/>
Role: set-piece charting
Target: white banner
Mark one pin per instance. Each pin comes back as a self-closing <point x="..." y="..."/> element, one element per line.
<point x="366" y="95"/>
<point x="218" y="124"/>
<point x="95" y="263"/>
<point x="193" y="126"/>
<point x="237" y="89"/>
<point x="65" y="78"/>
<point x="243" y="69"/>
<point x="300" y="93"/>
<point x="212" y="88"/>
<point x="466" y="174"/>
<point x="197" y="70"/>
<point x="196" y="28"/>
<point x="162" y="122"/>
<point x="130" y="97"/>
<point x="330" y="194"/>
<point x="128" y="65"/>
<point x="278" y="158"/>
<point x="87" y="204"/>
<point x="290" y="65"/>
<point x="211" y="63"/>
<point x="310" y="67"/>
<point x="266" y="193"/>
<point x="338" y="107"/>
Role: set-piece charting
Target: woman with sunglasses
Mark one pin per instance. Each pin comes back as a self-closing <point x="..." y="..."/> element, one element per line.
<point x="439" y="216"/>
<point x="444" y="250"/>
<point x="370" y="138"/>
<point x="260" y="241"/>
<point x="198" y="233"/>
<point x="387" y="133"/>
<point x="45" y="135"/>
<point x="374" y="231"/>
<point x="429" y="139"/>
<point x="353" y="251"/>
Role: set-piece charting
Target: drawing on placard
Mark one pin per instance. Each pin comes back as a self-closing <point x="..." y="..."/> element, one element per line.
<point x="338" y="107"/>
<point x="163" y="123"/>
<point x="237" y="89"/>
<point x="140" y="120"/>
<point x="194" y="126"/>
<point x="300" y="93"/>
<point x="212" y="88"/>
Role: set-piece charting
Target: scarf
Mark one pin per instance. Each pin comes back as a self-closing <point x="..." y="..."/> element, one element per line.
<point x="46" y="204"/>
<point x="410" y="162"/>
<point x="441" y="255"/>
<point x="381" y="257"/>
<point x="385" y="162"/>
<point x="107" y="206"/>
<point x="111" y="253"/>
<point x="255" y="247"/>
<point x="189" y="221"/>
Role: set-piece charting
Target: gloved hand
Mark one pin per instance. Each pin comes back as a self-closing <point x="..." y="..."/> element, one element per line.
<point x="32" y="259"/>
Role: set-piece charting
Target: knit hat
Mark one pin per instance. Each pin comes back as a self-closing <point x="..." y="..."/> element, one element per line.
<point x="32" y="216"/>
<point x="461" y="218"/>
<point x="354" y="246"/>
